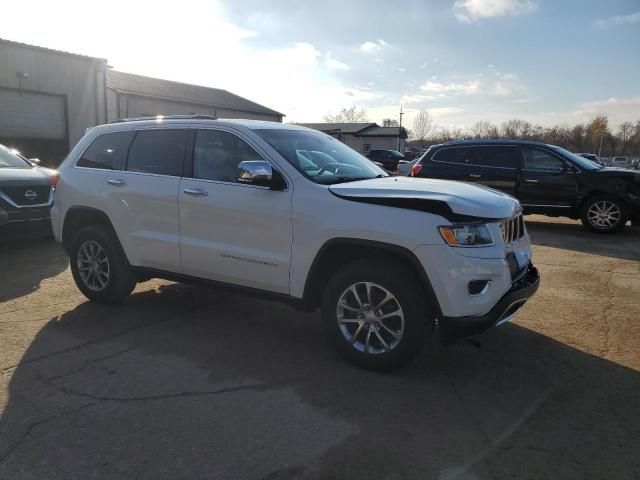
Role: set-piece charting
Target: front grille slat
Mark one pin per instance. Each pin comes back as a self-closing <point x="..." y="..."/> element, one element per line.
<point x="512" y="229"/>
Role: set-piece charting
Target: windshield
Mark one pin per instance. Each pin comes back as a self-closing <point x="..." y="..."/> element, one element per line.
<point x="578" y="160"/>
<point x="319" y="157"/>
<point x="10" y="159"/>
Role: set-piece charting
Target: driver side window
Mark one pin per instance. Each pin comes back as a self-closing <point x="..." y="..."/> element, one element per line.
<point x="541" y="160"/>
<point x="217" y="154"/>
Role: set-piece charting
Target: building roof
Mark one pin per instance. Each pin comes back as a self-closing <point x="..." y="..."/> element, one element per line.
<point x="129" y="83"/>
<point x="360" y="129"/>
<point x="342" y="127"/>
<point x="377" y="131"/>
<point x="50" y="50"/>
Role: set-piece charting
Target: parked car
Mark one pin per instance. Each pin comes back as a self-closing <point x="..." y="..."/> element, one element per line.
<point x="593" y="157"/>
<point x="227" y="201"/>
<point x="26" y="195"/>
<point x="388" y="158"/>
<point x="412" y="153"/>
<point x="547" y="180"/>
<point x="404" y="167"/>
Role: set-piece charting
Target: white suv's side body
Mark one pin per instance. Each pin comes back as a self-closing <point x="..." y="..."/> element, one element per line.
<point x="198" y="219"/>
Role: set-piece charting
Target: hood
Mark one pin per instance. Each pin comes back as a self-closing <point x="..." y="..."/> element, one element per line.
<point x="455" y="201"/>
<point x="17" y="177"/>
<point x="616" y="172"/>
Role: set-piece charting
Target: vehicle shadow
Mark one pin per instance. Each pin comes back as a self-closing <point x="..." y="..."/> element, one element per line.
<point x="24" y="265"/>
<point x="184" y="382"/>
<point x="573" y="236"/>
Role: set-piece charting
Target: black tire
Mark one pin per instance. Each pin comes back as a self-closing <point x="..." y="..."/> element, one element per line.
<point x="403" y="284"/>
<point x="121" y="280"/>
<point x="592" y="203"/>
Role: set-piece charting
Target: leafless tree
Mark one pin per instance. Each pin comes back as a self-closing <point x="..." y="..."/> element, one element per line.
<point x="516" y="129"/>
<point x="481" y="129"/>
<point x="348" y="115"/>
<point x="625" y="132"/>
<point x="390" y="122"/>
<point x="422" y="125"/>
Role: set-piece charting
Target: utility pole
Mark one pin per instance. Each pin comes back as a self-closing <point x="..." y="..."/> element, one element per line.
<point x="600" y="149"/>
<point x="400" y="129"/>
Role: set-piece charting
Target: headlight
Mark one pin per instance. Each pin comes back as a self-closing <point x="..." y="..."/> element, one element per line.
<point x="476" y="235"/>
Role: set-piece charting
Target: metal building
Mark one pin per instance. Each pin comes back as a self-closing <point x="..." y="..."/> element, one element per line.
<point x="48" y="98"/>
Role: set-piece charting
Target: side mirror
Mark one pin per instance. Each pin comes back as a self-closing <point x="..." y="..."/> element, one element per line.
<point x="566" y="168"/>
<point x="260" y="173"/>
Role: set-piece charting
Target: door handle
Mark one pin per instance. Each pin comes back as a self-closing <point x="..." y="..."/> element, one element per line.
<point x="196" y="192"/>
<point x="475" y="175"/>
<point x="531" y="180"/>
<point x="116" y="182"/>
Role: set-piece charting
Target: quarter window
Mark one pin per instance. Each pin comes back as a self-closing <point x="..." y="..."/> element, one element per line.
<point x="108" y="151"/>
<point x="160" y="152"/>
<point x="541" y="160"/>
<point x="217" y="155"/>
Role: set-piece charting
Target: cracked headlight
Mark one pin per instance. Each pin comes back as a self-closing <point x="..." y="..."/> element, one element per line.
<point x="474" y="235"/>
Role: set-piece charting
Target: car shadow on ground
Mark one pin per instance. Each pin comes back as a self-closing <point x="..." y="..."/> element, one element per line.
<point x="185" y="382"/>
<point x="573" y="236"/>
<point x="24" y="265"/>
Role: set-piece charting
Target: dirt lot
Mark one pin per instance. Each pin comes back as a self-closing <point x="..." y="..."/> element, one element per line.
<point x="185" y="382"/>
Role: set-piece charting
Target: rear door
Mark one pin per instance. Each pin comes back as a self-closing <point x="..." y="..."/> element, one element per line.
<point x="233" y="232"/>
<point x="547" y="180"/>
<point x="142" y="200"/>
<point x="495" y="166"/>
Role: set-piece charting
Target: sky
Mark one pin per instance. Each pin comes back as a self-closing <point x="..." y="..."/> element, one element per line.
<point x="545" y="61"/>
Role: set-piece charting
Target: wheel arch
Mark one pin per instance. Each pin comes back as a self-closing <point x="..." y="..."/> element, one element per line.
<point x="337" y="252"/>
<point x="78" y="217"/>
<point x="601" y="192"/>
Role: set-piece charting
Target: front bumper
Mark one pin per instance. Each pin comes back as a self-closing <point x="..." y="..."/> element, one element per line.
<point x="24" y="223"/>
<point x="522" y="289"/>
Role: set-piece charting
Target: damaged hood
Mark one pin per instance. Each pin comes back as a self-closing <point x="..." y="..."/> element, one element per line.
<point x="453" y="200"/>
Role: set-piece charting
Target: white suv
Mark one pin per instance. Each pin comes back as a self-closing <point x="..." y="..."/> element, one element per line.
<point x="293" y="212"/>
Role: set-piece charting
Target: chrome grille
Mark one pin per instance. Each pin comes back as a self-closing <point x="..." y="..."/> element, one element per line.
<point x="512" y="229"/>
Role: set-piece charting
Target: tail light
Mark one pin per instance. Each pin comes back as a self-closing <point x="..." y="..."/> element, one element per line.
<point x="415" y="170"/>
<point x="55" y="176"/>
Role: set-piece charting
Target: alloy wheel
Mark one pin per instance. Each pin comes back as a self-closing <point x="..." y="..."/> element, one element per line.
<point x="604" y="214"/>
<point x="93" y="265"/>
<point x="370" y="318"/>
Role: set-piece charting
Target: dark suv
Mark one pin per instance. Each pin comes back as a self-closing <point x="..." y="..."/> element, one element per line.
<point x="547" y="179"/>
<point x="388" y="158"/>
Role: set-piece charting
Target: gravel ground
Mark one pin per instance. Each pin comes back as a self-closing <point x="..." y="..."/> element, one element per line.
<point x="186" y="382"/>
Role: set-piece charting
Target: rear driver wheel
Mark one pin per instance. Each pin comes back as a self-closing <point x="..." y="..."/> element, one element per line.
<point x="98" y="266"/>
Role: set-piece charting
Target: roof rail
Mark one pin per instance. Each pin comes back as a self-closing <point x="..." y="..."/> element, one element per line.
<point x="197" y="116"/>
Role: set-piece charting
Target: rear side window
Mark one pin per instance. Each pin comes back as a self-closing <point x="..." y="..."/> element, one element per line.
<point x="160" y="152"/>
<point x="217" y="154"/>
<point x="497" y="157"/>
<point x="108" y="151"/>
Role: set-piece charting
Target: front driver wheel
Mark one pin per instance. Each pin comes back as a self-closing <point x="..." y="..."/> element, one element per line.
<point x="376" y="314"/>
<point x="604" y="214"/>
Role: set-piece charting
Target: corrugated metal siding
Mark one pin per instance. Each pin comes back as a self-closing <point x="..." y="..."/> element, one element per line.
<point x="79" y="79"/>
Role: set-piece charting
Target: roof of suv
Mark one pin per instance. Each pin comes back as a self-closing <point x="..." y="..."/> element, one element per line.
<point x="490" y="141"/>
<point x="132" y="123"/>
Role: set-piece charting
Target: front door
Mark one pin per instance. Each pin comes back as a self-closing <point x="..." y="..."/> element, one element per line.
<point x="233" y="232"/>
<point x="547" y="180"/>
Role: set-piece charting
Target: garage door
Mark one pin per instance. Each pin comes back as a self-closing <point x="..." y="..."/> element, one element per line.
<point x="31" y="115"/>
